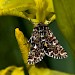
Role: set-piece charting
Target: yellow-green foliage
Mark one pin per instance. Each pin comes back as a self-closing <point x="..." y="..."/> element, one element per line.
<point x="39" y="11"/>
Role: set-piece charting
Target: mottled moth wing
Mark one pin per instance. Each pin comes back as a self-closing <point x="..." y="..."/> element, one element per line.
<point x="35" y="56"/>
<point x="43" y="42"/>
<point x="36" y="53"/>
<point x="52" y="47"/>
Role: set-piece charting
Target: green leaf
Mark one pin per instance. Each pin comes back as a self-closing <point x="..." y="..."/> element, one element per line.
<point x="45" y="71"/>
<point x="34" y="10"/>
<point x="65" y="13"/>
<point x="16" y="7"/>
<point x="64" y="65"/>
<point x="65" y="16"/>
<point x="59" y="73"/>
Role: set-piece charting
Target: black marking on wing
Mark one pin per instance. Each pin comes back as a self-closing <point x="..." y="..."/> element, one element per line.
<point x="42" y="41"/>
<point x="52" y="47"/>
<point x="36" y="54"/>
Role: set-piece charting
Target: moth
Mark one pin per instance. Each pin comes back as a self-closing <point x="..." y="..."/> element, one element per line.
<point x="43" y="42"/>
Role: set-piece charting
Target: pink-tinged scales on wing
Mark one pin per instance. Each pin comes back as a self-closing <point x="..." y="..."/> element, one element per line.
<point x="43" y="42"/>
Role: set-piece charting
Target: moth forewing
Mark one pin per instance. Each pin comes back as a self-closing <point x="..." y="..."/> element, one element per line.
<point x="43" y="42"/>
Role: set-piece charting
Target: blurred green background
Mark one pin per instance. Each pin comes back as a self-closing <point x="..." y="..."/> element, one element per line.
<point x="10" y="52"/>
